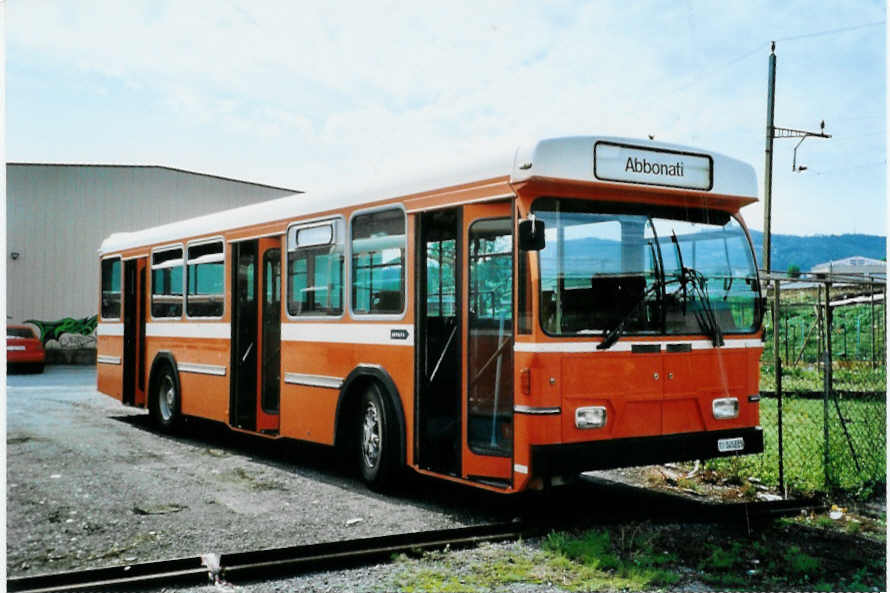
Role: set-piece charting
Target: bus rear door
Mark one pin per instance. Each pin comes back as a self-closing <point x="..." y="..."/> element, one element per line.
<point x="256" y="335"/>
<point x="134" y="332"/>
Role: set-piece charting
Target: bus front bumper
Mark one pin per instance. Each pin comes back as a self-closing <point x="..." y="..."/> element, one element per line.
<point x="565" y="459"/>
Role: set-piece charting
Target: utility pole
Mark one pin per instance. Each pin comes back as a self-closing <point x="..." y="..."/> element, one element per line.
<point x="768" y="166"/>
<point x="773" y="132"/>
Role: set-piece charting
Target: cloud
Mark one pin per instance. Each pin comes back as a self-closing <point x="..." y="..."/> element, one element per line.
<point x="320" y="92"/>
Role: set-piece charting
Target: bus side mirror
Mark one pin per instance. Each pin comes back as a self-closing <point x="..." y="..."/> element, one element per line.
<point x="531" y="234"/>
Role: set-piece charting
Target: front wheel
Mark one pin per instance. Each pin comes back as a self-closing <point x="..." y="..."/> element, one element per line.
<point x="165" y="403"/>
<point x="378" y="443"/>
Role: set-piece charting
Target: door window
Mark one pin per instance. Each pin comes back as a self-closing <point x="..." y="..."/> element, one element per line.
<point x="490" y="337"/>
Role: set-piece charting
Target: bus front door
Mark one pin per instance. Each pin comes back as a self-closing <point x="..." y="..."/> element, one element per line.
<point x="487" y="343"/>
<point x="256" y="327"/>
<point x="438" y="395"/>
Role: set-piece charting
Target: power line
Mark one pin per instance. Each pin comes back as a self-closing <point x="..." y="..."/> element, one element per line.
<point x="832" y="31"/>
<point x="706" y="75"/>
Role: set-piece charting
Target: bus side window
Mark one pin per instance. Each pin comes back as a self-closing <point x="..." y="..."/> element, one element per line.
<point x="206" y="280"/>
<point x="111" y="288"/>
<point x="166" y="283"/>
<point x="378" y="262"/>
<point x="315" y="270"/>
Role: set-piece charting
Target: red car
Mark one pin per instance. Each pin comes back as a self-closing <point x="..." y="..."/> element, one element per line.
<point x="24" y="349"/>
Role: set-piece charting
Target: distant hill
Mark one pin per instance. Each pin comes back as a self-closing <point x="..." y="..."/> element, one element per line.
<point x="807" y="251"/>
<point x="802" y="251"/>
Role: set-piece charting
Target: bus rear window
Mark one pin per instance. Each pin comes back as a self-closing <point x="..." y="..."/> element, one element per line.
<point x="111" y="288"/>
<point x="166" y="283"/>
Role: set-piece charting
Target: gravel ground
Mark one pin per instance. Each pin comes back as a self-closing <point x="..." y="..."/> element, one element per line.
<point x="90" y="483"/>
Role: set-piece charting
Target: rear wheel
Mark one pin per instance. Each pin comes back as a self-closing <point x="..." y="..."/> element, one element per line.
<point x="165" y="403"/>
<point x="377" y="439"/>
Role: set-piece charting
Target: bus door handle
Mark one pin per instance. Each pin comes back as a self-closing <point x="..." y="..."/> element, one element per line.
<point x="246" y="352"/>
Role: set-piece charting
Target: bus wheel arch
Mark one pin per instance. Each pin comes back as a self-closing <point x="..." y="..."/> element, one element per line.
<point x="164" y="375"/>
<point x="364" y="385"/>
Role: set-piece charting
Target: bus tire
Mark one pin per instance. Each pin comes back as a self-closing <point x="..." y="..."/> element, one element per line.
<point x="378" y="447"/>
<point x="165" y="401"/>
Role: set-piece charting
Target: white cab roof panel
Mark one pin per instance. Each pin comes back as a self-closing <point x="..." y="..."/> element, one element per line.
<point x="567" y="158"/>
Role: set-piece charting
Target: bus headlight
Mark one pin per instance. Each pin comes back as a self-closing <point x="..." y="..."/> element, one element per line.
<point x="725" y="407"/>
<point x="590" y="417"/>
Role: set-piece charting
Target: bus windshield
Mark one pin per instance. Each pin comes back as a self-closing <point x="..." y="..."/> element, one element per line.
<point x="645" y="270"/>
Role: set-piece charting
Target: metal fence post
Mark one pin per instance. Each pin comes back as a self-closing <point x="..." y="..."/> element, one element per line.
<point x="827" y="379"/>
<point x="781" y="440"/>
<point x="787" y="339"/>
<point x="777" y="312"/>
<point x="871" y="297"/>
<point x="819" y="342"/>
<point x="884" y="325"/>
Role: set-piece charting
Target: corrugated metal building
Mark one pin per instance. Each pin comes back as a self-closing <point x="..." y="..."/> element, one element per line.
<point x="58" y="214"/>
<point x="857" y="264"/>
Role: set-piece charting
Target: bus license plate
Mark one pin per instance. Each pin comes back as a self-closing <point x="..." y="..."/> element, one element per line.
<point x="15" y="348"/>
<point x="726" y="445"/>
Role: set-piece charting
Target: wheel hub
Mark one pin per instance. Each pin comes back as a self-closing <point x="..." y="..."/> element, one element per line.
<point x="371" y="435"/>
<point x="167" y="398"/>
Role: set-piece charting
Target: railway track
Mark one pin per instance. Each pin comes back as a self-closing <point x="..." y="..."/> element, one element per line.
<point x="288" y="561"/>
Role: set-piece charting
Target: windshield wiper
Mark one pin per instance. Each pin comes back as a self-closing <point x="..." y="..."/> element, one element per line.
<point x="705" y="316"/>
<point x="610" y="336"/>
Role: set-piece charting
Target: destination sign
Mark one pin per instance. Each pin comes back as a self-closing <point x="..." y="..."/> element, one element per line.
<point x="635" y="164"/>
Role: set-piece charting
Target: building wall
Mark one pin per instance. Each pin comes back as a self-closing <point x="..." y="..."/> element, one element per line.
<point x="58" y="215"/>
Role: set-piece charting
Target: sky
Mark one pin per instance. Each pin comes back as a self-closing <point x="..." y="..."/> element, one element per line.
<point x="323" y="95"/>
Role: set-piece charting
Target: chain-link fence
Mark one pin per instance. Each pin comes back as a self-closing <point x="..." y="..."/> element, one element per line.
<point x="823" y="382"/>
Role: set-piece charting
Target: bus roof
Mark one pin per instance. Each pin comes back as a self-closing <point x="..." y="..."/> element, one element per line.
<point x="598" y="159"/>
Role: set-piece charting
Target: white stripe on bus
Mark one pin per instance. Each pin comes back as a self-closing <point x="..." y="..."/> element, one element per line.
<point x="395" y="334"/>
<point x="627" y="346"/>
<point x="109" y="329"/>
<point x="188" y="329"/>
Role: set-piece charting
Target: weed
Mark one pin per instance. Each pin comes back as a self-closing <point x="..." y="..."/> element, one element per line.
<point x="593" y="548"/>
<point x="799" y="563"/>
<point x="749" y="490"/>
<point x="722" y="559"/>
<point x="688" y="484"/>
<point x="824" y="522"/>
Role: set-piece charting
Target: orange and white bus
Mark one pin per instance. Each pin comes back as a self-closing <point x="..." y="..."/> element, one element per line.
<point x="593" y="304"/>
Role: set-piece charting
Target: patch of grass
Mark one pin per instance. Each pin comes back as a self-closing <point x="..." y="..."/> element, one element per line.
<point x="799" y="563"/>
<point x="593" y="548"/>
<point x="853" y="527"/>
<point x="824" y="522"/>
<point x="723" y="559"/>
<point x="804" y="449"/>
<point x="590" y="560"/>
<point x="688" y="484"/>
<point x="646" y="557"/>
